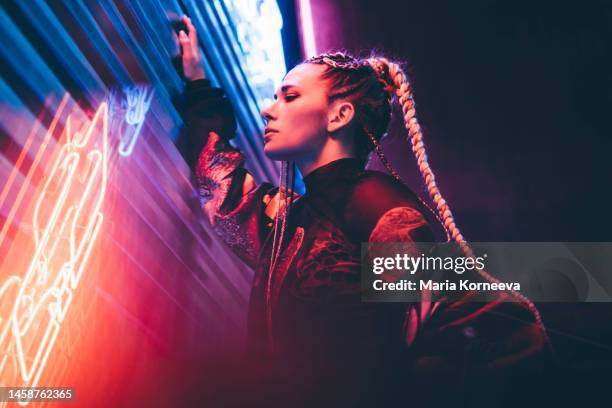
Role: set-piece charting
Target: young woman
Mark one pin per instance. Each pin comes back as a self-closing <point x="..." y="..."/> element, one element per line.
<point x="307" y="324"/>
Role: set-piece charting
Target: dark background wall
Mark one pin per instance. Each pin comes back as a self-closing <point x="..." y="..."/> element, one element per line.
<point x="514" y="98"/>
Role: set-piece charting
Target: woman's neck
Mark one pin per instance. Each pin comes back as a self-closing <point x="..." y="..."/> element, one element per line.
<point x="331" y="152"/>
<point x="307" y="168"/>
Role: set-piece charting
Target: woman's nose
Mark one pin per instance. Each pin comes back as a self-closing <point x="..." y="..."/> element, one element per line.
<point x="266" y="113"/>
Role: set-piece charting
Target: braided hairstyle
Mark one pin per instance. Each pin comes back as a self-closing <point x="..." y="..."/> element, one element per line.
<point x="370" y="85"/>
<point x="357" y="81"/>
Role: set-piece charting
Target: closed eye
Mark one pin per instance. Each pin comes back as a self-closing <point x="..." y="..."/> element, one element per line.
<point x="289" y="98"/>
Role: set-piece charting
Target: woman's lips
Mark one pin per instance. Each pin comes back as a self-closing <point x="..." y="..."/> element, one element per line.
<point x="267" y="134"/>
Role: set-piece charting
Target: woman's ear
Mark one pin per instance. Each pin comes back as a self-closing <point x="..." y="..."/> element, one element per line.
<point x="340" y="114"/>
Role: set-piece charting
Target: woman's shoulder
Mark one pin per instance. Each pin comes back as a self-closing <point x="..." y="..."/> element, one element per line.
<point x="383" y="182"/>
<point x="378" y="202"/>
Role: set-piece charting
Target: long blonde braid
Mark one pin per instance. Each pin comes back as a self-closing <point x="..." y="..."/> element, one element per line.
<point x="403" y="90"/>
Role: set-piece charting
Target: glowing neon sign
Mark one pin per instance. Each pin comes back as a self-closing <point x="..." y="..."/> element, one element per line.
<point x="66" y="222"/>
<point x="137" y="102"/>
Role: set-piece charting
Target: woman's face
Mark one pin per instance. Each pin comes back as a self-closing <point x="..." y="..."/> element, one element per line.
<point x="297" y="121"/>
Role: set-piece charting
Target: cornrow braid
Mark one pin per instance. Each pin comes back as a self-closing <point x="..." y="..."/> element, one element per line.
<point x="338" y="60"/>
<point x="403" y="89"/>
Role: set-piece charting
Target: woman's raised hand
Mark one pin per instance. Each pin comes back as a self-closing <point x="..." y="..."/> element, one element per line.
<point x="192" y="61"/>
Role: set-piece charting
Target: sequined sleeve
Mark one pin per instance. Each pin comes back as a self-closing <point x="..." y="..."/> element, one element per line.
<point x="232" y="201"/>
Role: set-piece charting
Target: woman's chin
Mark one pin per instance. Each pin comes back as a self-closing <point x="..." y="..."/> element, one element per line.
<point x="274" y="154"/>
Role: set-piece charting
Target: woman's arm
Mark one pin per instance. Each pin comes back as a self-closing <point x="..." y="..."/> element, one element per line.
<point x="234" y="203"/>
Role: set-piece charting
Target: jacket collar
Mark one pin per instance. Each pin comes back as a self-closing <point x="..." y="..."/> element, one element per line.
<point x="332" y="174"/>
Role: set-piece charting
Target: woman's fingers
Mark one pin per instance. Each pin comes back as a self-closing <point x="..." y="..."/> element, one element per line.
<point x="185" y="45"/>
<point x="193" y="35"/>
<point x="192" y="61"/>
<point x="191" y="32"/>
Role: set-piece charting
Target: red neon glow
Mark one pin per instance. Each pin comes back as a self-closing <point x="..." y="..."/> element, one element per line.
<point x="66" y="221"/>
